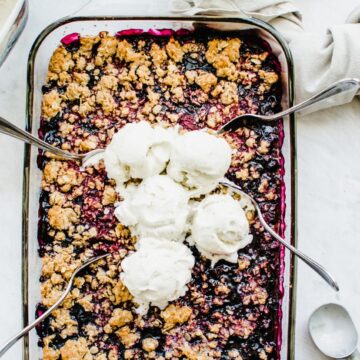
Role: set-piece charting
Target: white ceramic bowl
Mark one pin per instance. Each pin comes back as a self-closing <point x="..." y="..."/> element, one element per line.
<point x="13" y="16"/>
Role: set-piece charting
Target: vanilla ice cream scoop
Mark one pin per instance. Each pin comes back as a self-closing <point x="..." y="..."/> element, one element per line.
<point x="138" y="151"/>
<point x="220" y="228"/>
<point x="157" y="273"/>
<point x="158" y="208"/>
<point x="199" y="160"/>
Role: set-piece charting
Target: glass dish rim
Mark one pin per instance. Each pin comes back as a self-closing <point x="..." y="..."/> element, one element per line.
<point x="292" y="202"/>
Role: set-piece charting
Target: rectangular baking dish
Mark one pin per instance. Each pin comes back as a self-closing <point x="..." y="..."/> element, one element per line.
<point x="39" y="57"/>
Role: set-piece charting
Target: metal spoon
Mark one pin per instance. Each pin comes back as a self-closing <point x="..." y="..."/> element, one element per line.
<point x="346" y="85"/>
<point x="41" y="318"/>
<point x="312" y="263"/>
<point x="334" y="332"/>
<point x="8" y="128"/>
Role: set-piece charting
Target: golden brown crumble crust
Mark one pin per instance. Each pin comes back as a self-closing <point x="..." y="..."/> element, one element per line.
<point x="94" y="89"/>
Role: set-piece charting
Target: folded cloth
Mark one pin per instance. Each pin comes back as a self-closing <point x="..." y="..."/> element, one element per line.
<point x="319" y="59"/>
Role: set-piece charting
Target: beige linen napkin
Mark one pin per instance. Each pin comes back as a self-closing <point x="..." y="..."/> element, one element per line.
<point x="320" y="59"/>
<point x="270" y="11"/>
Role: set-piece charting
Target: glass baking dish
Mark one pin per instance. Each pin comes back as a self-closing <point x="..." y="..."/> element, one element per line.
<point x="39" y="57"/>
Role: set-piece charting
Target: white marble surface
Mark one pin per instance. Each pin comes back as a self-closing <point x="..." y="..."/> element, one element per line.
<point x="328" y="169"/>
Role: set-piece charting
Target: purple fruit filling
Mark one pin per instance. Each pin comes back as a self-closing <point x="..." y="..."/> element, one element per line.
<point x="96" y="85"/>
<point x="70" y="38"/>
<point x="162" y="32"/>
<point x="129" y="32"/>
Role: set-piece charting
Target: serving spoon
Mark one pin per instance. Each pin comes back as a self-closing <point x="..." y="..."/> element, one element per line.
<point x="334" y="333"/>
<point x="350" y="86"/>
<point x="7" y="128"/>
<point x="41" y="318"/>
<point x="307" y="260"/>
<point x="346" y="85"/>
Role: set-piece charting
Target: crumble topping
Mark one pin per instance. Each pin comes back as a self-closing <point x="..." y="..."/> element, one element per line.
<point x="173" y="78"/>
<point x="108" y="82"/>
<point x="174" y="315"/>
<point x="106" y="100"/>
<point x="121" y="293"/>
<point x="50" y="353"/>
<point x="86" y="46"/>
<point x="127" y="336"/>
<point x="222" y="54"/>
<point x="76" y="350"/>
<point x="158" y="55"/>
<point x="64" y="323"/>
<point x="258" y="297"/>
<point x="150" y="344"/>
<point x="86" y="302"/>
<point x="120" y="318"/>
<point x="227" y="91"/>
<point x="75" y="91"/>
<point x="62" y="218"/>
<point x="126" y="52"/>
<point x="82" y="78"/>
<point x="90" y="143"/>
<point x="109" y="196"/>
<point x="174" y="50"/>
<point x="86" y="106"/>
<point x="93" y="88"/>
<point x="59" y="172"/>
<point x="61" y="61"/>
<point x="51" y="104"/>
<point x="205" y="80"/>
<point x="51" y="170"/>
<point x="269" y="78"/>
<point x="106" y="49"/>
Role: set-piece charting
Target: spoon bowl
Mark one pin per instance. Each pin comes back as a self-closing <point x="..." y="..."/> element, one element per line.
<point x="89" y="158"/>
<point x="333" y="331"/>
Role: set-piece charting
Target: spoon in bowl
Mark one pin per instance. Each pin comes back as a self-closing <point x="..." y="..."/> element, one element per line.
<point x="41" y="318"/>
<point x="334" y="332"/>
<point x="7" y="128"/>
<point x="310" y="262"/>
<point x="349" y="86"/>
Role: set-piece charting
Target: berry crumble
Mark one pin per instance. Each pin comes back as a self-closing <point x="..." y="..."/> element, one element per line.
<point x="96" y="85"/>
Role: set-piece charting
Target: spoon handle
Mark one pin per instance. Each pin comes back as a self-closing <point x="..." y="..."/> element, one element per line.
<point x="349" y="86"/>
<point x="41" y="318"/>
<point x="341" y="86"/>
<point x="310" y="262"/>
<point x="12" y="130"/>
